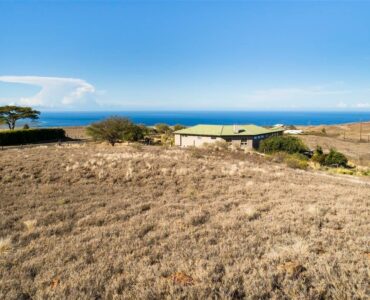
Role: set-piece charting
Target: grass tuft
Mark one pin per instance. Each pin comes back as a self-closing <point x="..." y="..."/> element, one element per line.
<point x="5" y="246"/>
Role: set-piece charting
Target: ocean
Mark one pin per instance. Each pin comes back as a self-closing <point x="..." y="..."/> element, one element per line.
<point x="188" y="118"/>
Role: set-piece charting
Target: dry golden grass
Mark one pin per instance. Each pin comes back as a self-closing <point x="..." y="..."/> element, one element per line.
<point x="359" y="153"/>
<point x="350" y="131"/>
<point x="150" y="223"/>
<point x="345" y="138"/>
<point x="30" y="224"/>
<point x="5" y="245"/>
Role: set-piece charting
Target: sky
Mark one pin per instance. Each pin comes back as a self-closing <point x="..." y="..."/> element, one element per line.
<point x="185" y="55"/>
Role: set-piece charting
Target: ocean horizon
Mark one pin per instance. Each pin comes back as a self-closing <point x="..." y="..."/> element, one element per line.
<point x="189" y="118"/>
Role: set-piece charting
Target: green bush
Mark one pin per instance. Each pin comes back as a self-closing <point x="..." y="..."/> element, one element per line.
<point x="335" y="159"/>
<point x="28" y="136"/>
<point x="289" y="144"/>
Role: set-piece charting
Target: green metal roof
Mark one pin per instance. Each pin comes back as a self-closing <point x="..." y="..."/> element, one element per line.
<point x="226" y="130"/>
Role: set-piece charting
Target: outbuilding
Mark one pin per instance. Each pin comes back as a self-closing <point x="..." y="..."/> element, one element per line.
<point x="244" y="136"/>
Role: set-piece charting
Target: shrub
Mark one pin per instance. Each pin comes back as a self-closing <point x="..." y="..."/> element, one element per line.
<point x="335" y="158"/>
<point x="115" y="129"/>
<point x="167" y="139"/>
<point x="28" y="136"/>
<point x="297" y="161"/>
<point x="178" y="127"/>
<point x="289" y="144"/>
<point x="318" y="155"/>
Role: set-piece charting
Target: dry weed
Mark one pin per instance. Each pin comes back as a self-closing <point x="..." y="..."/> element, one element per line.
<point x="5" y="245"/>
<point x="30" y="224"/>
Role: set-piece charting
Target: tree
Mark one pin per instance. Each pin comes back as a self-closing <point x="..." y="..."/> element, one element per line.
<point x="162" y="128"/>
<point x="10" y="114"/>
<point x="115" y="129"/>
<point x="178" y="127"/>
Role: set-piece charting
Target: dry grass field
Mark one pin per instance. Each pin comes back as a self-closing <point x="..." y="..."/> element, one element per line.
<point x="359" y="153"/>
<point x="100" y="222"/>
<point x="345" y="138"/>
<point x="350" y="131"/>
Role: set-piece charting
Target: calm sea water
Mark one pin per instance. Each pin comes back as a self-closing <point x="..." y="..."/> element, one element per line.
<point x="52" y="119"/>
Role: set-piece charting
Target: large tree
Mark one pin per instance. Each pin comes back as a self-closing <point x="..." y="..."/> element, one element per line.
<point x="10" y="114"/>
<point x="115" y="129"/>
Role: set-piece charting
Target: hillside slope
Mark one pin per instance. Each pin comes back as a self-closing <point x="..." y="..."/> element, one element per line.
<point x="93" y="221"/>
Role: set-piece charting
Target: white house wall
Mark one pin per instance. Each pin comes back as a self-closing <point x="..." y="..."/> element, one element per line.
<point x="197" y="141"/>
<point x="193" y="140"/>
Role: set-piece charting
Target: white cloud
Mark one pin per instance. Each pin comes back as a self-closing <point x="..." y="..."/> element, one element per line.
<point x="342" y="105"/>
<point x="55" y="92"/>
<point x="363" y="105"/>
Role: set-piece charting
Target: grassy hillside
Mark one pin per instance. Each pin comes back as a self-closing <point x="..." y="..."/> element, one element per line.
<point x="91" y="221"/>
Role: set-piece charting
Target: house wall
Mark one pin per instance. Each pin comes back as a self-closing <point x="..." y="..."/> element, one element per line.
<point x="194" y="140"/>
<point x="244" y="143"/>
<point x="249" y="142"/>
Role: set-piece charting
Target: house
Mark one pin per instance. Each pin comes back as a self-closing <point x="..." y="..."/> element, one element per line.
<point x="293" y="131"/>
<point x="245" y="136"/>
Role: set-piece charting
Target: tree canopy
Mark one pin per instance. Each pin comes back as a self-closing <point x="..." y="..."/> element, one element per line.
<point x="162" y="128"/>
<point x="115" y="129"/>
<point x="178" y="127"/>
<point x="10" y="114"/>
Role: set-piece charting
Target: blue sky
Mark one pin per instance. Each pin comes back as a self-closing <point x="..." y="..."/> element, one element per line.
<point x="185" y="55"/>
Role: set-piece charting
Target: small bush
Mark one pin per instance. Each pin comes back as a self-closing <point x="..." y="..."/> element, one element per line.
<point x="335" y="159"/>
<point x="318" y="155"/>
<point x="289" y="144"/>
<point x="297" y="161"/>
<point x="28" y="136"/>
<point x="26" y="126"/>
<point x="167" y="139"/>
